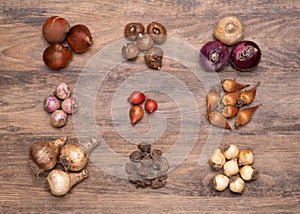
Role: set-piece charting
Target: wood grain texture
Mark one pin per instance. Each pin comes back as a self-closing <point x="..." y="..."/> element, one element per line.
<point x="273" y="134"/>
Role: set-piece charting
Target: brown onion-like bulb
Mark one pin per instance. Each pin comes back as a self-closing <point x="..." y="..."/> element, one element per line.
<point x="74" y="156"/>
<point x="51" y="104"/>
<point x="55" y="29"/>
<point x="157" y="31"/>
<point x="247" y="96"/>
<point x="69" y="105"/>
<point x="217" y="119"/>
<point x="229" y="30"/>
<point x="80" y="38"/>
<point x="60" y="182"/>
<point x="133" y="29"/>
<point x="44" y="154"/>
<point x="62" y="91"/>
<point x="57" y="56"/>
<point x="136" y="113"/>
<point x="212" y="99"/>
<point x="230" y="111"/>
<point x="231" y="99"/>
<point x="230" y="85"/>
<point x="153" y="58"/>
<point x="245" y="115"/>
<point x="58" y="118"/>
<point x="130" y="51"/>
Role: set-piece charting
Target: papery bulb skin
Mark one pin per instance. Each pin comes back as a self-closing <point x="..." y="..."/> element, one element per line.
<point x="217" y="119"/>
<point x="214" y="56"/>
<point x="57" y="56"/>
<point x="247" y="96"/>
<point x="212" y="99"/>
<point x="245" y="115"/>
<point x="80" y="38"/>
<point x="136" y="113"/>
<point x="230" y="85"/>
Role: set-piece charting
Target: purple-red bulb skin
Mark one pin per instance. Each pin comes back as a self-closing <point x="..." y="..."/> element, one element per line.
<point x="214" y="56"/>
<point x="245" y="56"/>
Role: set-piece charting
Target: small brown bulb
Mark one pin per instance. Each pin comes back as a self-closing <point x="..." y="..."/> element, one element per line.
<point x="229" y="30"/>
<point x="60" y="182"/>
<point x="154" y="57"/>
<point x="73" y="157"/>
<point x="245" y="115"/>
<point x="217" y="159"/>
<point x="212" y="99"/>
<point x="130" y="51"/>
<point x="217" y="119"/>
<point x="247" y="96"/>
<point x="230" y="85"/>
<point x="230" y="111"/>
<point x="133" y="29"/>
<point x="57" y="56"/>
<point x="80" y="38"/>
<point x="44" y="154"/>
<point x="231" y="99"/>
<point x="55" y="29"/>
<point x="136" y="113"/>
<point x="157" y="32"/>
<point x="144" y="42"/>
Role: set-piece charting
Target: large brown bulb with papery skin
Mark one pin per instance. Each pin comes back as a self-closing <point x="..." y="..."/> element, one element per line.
<point x="55" y="29"/>
<point x="57" y="56"/>
<point x="80" y="38"/>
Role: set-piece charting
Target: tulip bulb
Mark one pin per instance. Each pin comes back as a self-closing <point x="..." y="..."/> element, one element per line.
<point x="44" y="154"/>
<point x="230" y="111"/>
<point x="60" y="182"/>
<point x="247" y="96"/>
<point x="212" y="99"/>
<point x="217" y="119"/>
<point x="231" y="99"/>
<point x="245" y="115"/>
<point x="217" y="159"/>
<point x="230" y="85"/>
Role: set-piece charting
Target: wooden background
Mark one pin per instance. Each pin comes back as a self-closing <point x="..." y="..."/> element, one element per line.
<point x="273" y="133"/>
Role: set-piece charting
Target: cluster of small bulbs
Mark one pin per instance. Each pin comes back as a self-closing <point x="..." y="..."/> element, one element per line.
<point x="155" y="33"/>
<point x="136" y="112"/>
<point x="215" y="55"/>
<point x="60" y="104"/>
<point x="73" y="157"/>
<point x="236" y="166"/>
<point x="226" y="104"/>
<point x="55" y="31"/>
